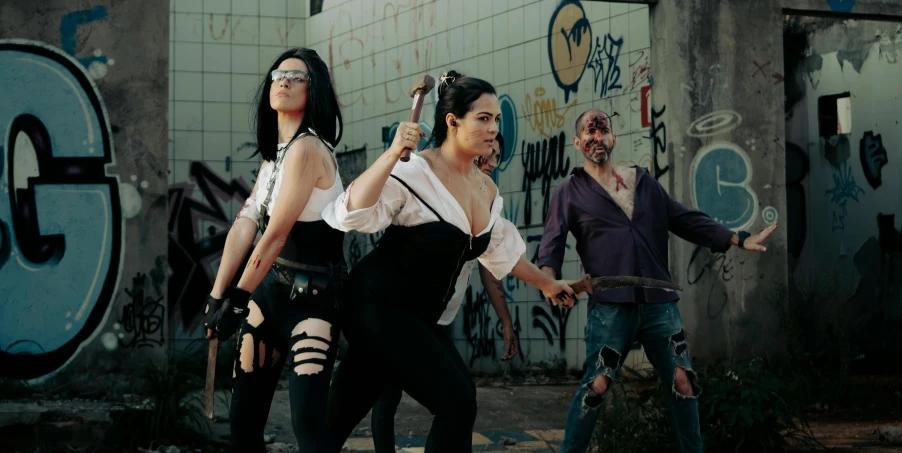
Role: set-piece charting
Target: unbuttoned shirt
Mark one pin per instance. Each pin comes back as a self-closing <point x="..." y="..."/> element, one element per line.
<point x="611" y="244"/>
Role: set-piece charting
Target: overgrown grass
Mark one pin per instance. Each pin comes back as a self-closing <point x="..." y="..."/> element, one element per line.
<point x="173" y="408"/>
<point x="634" y="418"/>
<point x="751" y="407"/>
<point x="757" y="405"/>
<point x="743" y="407"/>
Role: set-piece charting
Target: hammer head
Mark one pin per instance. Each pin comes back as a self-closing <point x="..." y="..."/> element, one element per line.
<point x="422" y="86"/>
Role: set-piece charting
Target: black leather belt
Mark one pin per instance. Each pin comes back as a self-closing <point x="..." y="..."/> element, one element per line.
<point x="301" y="266"/>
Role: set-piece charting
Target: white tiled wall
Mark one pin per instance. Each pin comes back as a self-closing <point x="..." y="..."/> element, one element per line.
<point x="220" y="50"/>
<point x="376" y="48"/>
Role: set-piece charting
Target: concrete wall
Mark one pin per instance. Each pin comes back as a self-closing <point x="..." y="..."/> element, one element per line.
<point x="857" y="7"/>
<point x="717" y="105"/>
<point x="698" y="96"/>
<point x="848" y="185"/>
<point x="82" y="216"/>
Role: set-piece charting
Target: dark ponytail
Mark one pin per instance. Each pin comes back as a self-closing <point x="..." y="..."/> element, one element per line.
<point x="456" y="94"/>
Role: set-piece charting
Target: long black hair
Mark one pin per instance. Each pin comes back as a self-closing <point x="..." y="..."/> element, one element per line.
<point x="456" y="94"/>
<point x="322" y="113"/>
<point x="500" y="147"/>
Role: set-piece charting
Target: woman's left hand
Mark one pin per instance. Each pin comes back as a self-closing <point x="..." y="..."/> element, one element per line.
<point x="511" y="345"/>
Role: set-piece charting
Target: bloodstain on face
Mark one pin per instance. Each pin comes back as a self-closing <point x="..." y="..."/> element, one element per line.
<point x="598" y="122"/>
<point x="596" y="133"/>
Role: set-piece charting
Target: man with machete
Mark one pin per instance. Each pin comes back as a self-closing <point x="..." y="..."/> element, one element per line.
<point x="621" y="219"/>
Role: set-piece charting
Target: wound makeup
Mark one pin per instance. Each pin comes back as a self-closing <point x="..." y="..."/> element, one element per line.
<point x="619" y="180"/>
<point x="476" y="134"/>
<point x="498" y="285"/>
<point x="254" y="262"/>
<point x="592" y="125"/>
<point x="598" y="122"/>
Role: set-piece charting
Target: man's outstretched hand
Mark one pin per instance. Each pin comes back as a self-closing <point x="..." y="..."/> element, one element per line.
<point x="755" y="243"/>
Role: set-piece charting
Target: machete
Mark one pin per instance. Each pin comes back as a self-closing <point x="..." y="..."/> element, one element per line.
<point x="591" y="285"/>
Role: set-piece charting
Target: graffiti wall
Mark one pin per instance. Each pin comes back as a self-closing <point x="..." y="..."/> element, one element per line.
<point x="220" y="51"/>
<point x="84" y="178"/>
<point x="844" y="129"/>
<point x="549" y="61"/>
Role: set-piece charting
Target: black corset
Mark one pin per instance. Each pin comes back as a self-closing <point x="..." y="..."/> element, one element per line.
<point x="314" y="243"/>
<point x="416" y="267"/>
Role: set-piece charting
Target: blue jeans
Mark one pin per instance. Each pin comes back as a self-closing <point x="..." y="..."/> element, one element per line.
<point x="610" y="331"/>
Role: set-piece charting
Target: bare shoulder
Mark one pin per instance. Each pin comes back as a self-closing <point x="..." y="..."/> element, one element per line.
<point x="309" y="152"/>
<point x="490" y="185"/>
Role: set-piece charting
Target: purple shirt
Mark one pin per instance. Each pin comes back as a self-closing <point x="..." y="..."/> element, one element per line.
<point x="610" y="244"/>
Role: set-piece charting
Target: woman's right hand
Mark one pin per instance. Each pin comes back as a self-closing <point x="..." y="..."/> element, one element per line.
<point x="560" y="293"/>
<point x="407" y="137"/>
<point x="210" y="316"/>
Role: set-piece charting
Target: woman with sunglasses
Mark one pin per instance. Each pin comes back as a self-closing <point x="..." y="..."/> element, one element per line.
<point x="441" y="214"/>
<point x="285" y="304"/>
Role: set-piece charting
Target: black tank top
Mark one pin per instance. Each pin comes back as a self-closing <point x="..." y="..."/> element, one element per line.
<point x="415" y="267"/>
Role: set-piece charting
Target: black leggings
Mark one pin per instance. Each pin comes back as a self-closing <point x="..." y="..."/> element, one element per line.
<point x="302" y="331"/>
<point x="390" y="347"/>
<point x="383" y="419"/>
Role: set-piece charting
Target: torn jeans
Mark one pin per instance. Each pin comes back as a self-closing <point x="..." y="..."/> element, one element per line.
<point x="611" y="329"/>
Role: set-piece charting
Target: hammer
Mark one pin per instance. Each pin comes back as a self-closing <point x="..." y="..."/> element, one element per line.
<point x="418" y="91"/>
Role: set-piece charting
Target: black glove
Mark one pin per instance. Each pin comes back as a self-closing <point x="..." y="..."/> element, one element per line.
<point x="233" y="310"/>
<point x="211" y="309"/>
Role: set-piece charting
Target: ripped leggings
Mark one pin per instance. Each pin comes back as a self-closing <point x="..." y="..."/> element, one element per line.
<point x="303" y="332"/>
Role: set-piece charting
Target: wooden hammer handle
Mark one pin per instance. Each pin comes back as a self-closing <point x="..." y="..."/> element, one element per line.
<point x="414" y="118"/>
<point x="211" y="375"/>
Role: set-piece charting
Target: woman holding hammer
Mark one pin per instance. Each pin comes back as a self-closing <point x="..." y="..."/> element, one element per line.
<point x="285" y="306"/>
<point x="441" y="214"/>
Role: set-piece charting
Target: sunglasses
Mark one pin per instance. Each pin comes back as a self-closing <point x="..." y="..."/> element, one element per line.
<point x="293" y="76"/>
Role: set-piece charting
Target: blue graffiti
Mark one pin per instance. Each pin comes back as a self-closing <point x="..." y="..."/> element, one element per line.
<point x="841" y="6"/>
<point x="721" y="174"/>
<point x="62" y="224"/>
<point x="69" y="27"/>
<point x="390" y="136"/>
<point x="873" y="158"/>
<point x="608" y="53"/>
<point x="508" y="130"/>
<point x="569" y="45"/>
<point x="844" y="189"/>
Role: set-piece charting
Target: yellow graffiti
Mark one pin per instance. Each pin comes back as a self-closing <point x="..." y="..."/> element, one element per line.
<point x="569" y="43"/>
<point x="542" y="113"/>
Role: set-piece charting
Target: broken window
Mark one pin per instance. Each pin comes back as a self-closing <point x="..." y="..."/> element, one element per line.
<point x="834" y="114"/>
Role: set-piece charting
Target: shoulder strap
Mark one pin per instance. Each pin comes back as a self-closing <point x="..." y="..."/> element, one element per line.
<point x="418" y="197"/>
<point x="278" y="162"/>
<point x="275" y="173"/>
<point x="313" y="133"/>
